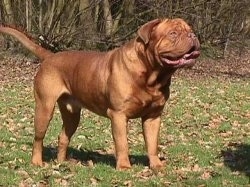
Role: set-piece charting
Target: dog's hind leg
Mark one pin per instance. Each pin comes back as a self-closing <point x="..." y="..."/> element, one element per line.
<point x="46" y="95"/>
<point x="43" y="114"/>
<point x="70" y="113"/>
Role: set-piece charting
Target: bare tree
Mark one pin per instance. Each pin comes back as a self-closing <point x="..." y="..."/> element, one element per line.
<point x="28" y="11"/>
<point x="9" y="16"/>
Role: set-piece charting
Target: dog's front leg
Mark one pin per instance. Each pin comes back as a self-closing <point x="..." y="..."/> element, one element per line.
<point x="151" y="128"/>
<point x="119" y="132"/>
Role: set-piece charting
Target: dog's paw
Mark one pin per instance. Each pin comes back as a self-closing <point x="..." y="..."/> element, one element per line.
<point x="121" y="166"/>
<point x="37" y="163"/>
<point x="122" y="163"/>
<point x="156" y="164"/>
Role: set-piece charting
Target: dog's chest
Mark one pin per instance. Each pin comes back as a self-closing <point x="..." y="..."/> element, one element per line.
<point x="146" y="103"/>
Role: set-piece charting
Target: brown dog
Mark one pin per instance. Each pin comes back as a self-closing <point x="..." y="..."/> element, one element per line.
<point x="128" y="82"/>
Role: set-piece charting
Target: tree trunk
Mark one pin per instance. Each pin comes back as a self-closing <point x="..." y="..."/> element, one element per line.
<point x="108" y="18"/>
<point x="88" y="23"/>
<point x="9" y="18"/>
<point x="51" y="14"/>
<point x="40" y="18"/>
<point x="28" y="12"/>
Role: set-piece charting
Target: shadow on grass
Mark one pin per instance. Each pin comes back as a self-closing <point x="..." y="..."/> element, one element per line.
<point x="237" y="158"/>
<point x="50" y="153"/>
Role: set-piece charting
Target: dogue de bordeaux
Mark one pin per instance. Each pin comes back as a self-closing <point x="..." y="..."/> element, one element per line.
<point x="131" y="81"/>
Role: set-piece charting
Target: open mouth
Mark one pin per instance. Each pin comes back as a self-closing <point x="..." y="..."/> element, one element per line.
<point x="186" y="59"/>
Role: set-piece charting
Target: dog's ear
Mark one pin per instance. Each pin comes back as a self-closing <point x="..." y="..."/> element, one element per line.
<point x="146" y="29"/>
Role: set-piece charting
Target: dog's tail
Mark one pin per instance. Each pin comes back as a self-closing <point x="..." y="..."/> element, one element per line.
<point x="36" y="49"/>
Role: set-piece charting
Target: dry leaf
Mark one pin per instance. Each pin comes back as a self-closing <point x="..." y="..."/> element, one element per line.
<point x="90" y="163"/>
<point x="196" y="168"/>
<point x="206" y="175"/>
<point x="94" y="181"/>
<point x="145" y="174"/>
<point x="128" y="183"/>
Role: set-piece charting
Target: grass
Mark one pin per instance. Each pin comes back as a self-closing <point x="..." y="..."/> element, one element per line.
<point x="204" y="139"/>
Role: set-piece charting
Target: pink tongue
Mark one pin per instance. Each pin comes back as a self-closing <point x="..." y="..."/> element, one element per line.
<point x="174" y="62"/>
<point x="186" y="57"/>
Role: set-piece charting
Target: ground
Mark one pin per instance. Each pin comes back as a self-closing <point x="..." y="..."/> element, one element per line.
<point x="204" y="137"/>
<point x="16" y="67"/>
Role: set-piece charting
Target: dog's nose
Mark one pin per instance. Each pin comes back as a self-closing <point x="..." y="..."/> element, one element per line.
<point x="191" y="35"/>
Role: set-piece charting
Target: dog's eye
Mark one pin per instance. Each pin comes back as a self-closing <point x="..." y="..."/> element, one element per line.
<point x="173" y="33"/>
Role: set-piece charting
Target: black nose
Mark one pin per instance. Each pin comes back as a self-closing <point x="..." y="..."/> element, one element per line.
<point x="191" y="35"/>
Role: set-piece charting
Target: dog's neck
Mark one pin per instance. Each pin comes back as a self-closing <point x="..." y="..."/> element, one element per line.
<point x="149" y="72"/>
<point x="157" y="76"/>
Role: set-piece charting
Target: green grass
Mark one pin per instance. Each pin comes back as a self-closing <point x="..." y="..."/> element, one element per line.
<point x="205" y="139"/>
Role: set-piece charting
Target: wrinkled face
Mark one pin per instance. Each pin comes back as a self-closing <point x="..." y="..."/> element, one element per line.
<point x="171" y="41"/>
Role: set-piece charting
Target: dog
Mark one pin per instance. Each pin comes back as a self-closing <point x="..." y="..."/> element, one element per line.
<point x="131" y="81"/>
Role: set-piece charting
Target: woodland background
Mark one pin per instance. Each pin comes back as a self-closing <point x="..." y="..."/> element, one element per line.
<point x="105" y="24"/>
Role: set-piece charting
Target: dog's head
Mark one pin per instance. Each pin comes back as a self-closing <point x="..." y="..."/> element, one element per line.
<point x="171" y="42"/>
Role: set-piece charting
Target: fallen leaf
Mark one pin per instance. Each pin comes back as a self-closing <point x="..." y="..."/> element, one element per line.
<point x="145" y="174"/>
<point x="128" y="183"/>
<point x="94" y="181"/>
<point x="23" y="174"/>
<point x="206" y="175"/>
<point x="90" y="163"/>
<point x="196" y="168"/>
